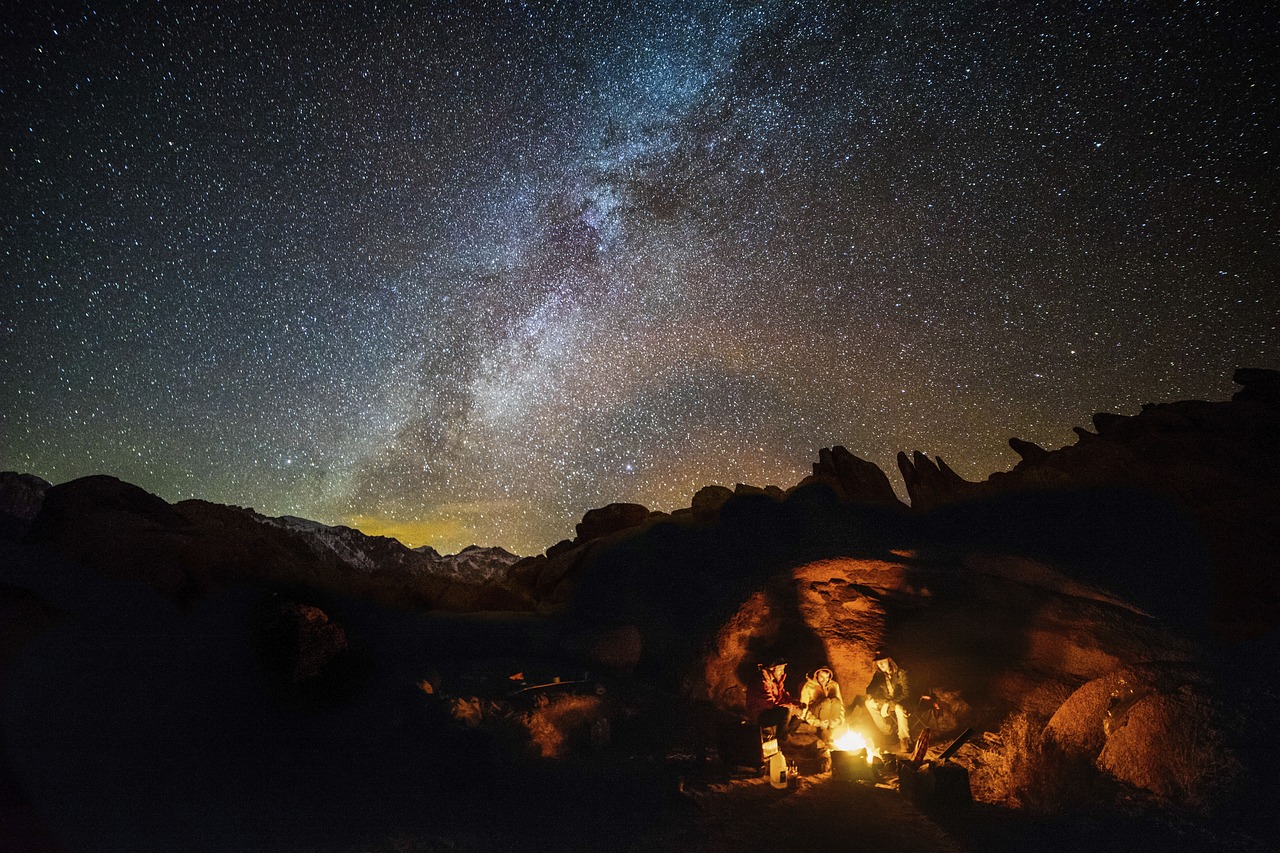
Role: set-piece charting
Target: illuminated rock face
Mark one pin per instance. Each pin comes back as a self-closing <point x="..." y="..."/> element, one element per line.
<point x="996" y="633"/>
<point x="995" y="636"/>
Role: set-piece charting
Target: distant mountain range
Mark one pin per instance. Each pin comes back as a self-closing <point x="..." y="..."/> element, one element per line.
<point x="194" y="548"/>
<point x="1206" y="468"/>
<point x="474" y="564"/>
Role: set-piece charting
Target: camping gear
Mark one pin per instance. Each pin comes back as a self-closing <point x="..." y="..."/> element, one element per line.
<point x="768" y="742"/>
<point x="956" y="744"/>
<point x="778" y="770"/>
<point x="849" y="765"/>
<point x="936" y="786"/>
<point x="922" y="747"/>
<point x="942" y="784"/>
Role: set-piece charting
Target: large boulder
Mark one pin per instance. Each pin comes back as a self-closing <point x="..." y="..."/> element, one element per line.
<point x="1258" y="385"/>
<point x="708" y="501"/>
<point x="1157" y="727"/>
<point x="298" y="642"/>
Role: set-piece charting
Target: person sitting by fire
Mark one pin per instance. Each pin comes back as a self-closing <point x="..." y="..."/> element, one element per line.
<point x="823" y="705"/>
<point x="769" y="702"/>
<point x="886" y="694"/>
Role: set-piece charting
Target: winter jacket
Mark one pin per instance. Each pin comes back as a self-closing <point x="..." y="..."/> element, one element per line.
<point x="889" y="686"/>
<point x="769" y="693"/>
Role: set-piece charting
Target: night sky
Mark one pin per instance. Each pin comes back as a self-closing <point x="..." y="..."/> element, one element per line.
<point x="458" y="273"/>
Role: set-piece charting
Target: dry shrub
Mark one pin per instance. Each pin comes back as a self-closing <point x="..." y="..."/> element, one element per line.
<point x="560" y="725"/>
<point x="468" y="710"/>
<point x="1020" y="767"/>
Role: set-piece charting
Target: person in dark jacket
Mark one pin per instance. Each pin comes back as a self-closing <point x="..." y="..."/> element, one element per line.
<point x="886" y="697"/>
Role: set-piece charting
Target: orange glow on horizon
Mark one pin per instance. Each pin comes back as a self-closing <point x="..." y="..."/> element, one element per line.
<point x="439" y="533"/>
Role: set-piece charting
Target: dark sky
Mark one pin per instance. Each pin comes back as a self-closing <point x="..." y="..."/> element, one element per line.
<point x="458" y="273"/>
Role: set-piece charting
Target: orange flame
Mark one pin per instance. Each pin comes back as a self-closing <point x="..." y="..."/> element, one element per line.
<point x="851" y="741"/>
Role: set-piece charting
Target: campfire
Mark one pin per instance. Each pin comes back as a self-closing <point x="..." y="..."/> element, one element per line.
<point x="853" y="757"/>
<point x="852" y="742"/>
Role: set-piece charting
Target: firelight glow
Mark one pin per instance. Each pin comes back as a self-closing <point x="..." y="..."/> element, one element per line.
<point x="852" y="741"/>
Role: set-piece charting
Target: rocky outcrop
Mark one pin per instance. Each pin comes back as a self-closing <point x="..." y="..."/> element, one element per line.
<point x="548" y="579"/>
<point x="21" y="496"/>
<point x="1257" y="386"/>
<point x="931" y="483"/>
<point x="708" y="501"/>
<point x="853" y="479"/>
<point x="598" y="523"/>
<point x="1214" y="462"/>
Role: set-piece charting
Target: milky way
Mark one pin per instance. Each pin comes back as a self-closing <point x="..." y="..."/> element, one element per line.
<point x="459" y="273"/>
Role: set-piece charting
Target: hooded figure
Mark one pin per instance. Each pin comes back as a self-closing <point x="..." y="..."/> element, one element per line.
<point x="823" y="705"/>
<point x="886" y="694"/>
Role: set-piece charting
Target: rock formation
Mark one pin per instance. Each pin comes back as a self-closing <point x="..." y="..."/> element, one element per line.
<point x="1215" y="462"/>
<point x="21" y="496"/>
<point x="855" y="480"/>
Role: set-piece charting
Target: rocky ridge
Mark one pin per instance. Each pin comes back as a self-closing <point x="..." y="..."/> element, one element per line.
<point x="1062" y="609"/>
<point x="193" y="549"/>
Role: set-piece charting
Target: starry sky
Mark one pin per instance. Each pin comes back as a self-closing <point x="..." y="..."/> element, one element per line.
<point x="459" y="272"/>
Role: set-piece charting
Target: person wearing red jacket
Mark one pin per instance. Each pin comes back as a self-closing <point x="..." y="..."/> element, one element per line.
<point x="769" y="703"/>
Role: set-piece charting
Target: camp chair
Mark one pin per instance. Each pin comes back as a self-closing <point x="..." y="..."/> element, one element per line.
<point x="925" y="714"/>
<point x="768" y="743"/>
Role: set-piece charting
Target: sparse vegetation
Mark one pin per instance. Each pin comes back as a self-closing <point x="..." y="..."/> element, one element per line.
<point x="555" y="727"/>
<point x="562" y="724"/>
<point x="1020" y="767"/>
